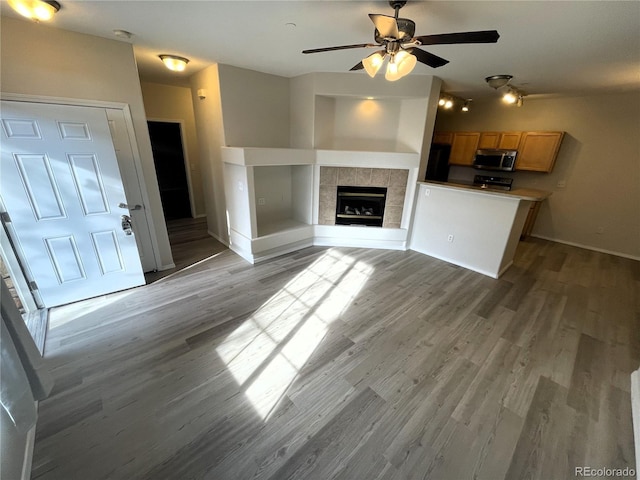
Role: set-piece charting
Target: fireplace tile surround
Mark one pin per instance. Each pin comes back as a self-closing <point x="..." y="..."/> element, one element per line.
<point x="394" y="179"/>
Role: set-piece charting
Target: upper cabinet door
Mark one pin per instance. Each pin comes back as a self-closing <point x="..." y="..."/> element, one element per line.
<point x="463" y="148"/>
<point x="489" y="140"/>
<point x="442" y="137"/>
<point x="510" y="140"/>
<point x="538" y="151"/>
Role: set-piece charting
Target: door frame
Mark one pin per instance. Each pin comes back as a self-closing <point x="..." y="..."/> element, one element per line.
<point x="137" y="160"/>
<point x="185" y="156"/>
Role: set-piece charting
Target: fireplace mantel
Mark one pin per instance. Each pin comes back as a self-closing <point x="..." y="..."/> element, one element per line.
<point x="272" y="197"/>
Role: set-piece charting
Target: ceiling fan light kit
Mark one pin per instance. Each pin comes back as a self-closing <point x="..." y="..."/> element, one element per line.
<point x="400" y="47"/>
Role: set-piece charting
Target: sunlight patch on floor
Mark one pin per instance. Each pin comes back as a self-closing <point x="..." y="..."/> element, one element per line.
<point x="266" y="352"/>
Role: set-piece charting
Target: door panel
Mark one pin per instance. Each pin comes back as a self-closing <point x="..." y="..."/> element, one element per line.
<point x="61" y="187"/>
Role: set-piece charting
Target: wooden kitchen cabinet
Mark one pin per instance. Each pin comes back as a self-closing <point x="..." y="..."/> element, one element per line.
<point x="489" y="140"/>
<point x="463" y="148"/>
<point x="510" y="140"/>
<point x="537" y="151"/>
<point x="442" y="137"/>
<point x="502" y="140"/>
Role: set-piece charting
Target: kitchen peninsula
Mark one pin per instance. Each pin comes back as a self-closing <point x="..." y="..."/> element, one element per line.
<point x="474" y="228"/>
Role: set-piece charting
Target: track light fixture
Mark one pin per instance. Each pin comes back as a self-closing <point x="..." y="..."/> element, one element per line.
<point x="448" y="101"/>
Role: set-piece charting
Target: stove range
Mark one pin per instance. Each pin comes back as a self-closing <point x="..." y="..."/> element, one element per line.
<point x="492" y="183"/>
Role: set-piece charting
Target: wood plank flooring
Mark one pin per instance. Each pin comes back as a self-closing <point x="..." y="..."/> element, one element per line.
<point x="190" y="243"/>
<point x="343" y="363"/>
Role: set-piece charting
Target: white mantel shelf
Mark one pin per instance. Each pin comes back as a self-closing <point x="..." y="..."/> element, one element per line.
<point x="256" y="156"/>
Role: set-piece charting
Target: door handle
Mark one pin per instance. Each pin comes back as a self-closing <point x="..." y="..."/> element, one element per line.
<point x="135" y="207"/>
<point x="126" y="225"/>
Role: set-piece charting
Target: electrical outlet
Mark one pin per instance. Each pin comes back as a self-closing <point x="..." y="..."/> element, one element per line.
<point x="240" y="186"/>
<point x="561" y="183"/>
<point x="427" y="192"/>
<point x="450" y="238"/>
<point x="262" y="201"/>
<point x="600" y="230"/>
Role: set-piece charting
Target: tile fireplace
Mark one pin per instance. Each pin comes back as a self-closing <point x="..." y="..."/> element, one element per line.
<point x="360" y="205"/>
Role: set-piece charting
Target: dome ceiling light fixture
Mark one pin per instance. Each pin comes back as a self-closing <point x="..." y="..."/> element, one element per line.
<point x="511" y="95"/>
<point x="37" y="10"/>
<point x="498" y="81"/>
<point x="174" y="62"/>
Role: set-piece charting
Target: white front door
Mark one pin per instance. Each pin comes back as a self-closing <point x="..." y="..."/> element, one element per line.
<point x="61" y="186"/>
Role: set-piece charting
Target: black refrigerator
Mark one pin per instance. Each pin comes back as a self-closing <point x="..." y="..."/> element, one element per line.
<point x="438" y="164"/>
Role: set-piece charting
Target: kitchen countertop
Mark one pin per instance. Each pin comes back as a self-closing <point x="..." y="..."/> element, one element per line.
<point x="530" y="194"/>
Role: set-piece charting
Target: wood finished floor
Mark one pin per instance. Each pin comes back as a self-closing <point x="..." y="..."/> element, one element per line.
<point x="190" y="243"/>
<point x="351" y="364"/>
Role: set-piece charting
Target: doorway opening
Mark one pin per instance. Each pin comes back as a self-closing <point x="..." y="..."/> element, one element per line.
<point x="171" y="169"/>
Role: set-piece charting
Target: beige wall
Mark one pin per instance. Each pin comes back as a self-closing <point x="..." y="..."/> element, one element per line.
<point x="210" y="132"/>
<point x="242" y="108"/>
<point x="255" y="107"/>
<point x="171" y="103"/>
<point x="41" y="60"/>
<point x="599" y="161"/>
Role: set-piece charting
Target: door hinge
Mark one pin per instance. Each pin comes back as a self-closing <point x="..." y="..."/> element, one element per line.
<point x="4" y="216"/>
<point x="33" y="286"/>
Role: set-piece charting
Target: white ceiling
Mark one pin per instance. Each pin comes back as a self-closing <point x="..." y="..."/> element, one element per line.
<point x="550" y="47"/>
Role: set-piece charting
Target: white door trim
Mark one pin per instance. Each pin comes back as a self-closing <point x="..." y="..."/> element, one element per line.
<point x="77" y="102"/>
<point x="185" y="156"/>
<point x="19" y="274"/>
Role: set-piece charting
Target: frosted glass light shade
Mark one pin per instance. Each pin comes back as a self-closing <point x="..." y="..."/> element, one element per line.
<point x="373" y="63"/>
<point x="401" y="64"/>
<point x="172" y="62"/>
<point x="38" y="10"/>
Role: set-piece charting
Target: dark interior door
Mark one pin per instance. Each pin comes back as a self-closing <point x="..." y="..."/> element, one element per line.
<point x="166" y="143"/>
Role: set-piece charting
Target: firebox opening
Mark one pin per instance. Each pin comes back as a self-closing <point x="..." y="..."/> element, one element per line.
<point x="360" y="206"/>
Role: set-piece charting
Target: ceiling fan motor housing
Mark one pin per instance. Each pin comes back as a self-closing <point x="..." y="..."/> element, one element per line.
<point x="406" y="28"/>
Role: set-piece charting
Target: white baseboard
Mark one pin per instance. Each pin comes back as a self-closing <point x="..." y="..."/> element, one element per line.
<point x="462" y="264"/>
<point x="218" y="238"/>
<point x="588" y="247"/>
<point x="168" y="266"/>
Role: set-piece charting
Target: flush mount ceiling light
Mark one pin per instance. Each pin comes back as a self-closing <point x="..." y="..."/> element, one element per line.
<point x="173" y="62"/>
<point x="38" y="10"/>
<point x="498" y="81"/>
<point x="511" y="95"/>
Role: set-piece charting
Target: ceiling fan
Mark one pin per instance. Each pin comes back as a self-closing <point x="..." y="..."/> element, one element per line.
<point x="400" y="47"/>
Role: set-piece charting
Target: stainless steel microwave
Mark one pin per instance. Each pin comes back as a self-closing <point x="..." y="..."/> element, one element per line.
<point x="495" y="159"/>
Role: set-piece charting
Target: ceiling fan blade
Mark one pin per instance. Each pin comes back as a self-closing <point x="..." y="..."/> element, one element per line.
<point x="427" y="58"/>
<point x="386" y="25"/>
<point x="341" y="47"/>
<point x="357" y="66"/>
<point x="482" y="36"/>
